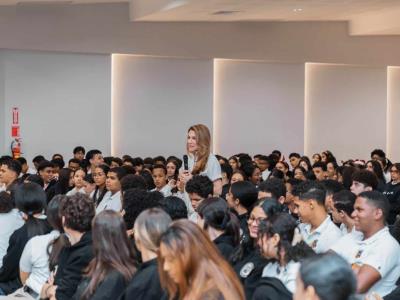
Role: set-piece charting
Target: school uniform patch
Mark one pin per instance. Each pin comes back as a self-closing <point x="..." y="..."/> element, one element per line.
<point x="246" y="270"/>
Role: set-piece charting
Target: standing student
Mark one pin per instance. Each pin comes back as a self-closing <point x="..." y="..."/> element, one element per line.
<point x="113" y="264"/>
<point x="200" y="159"/>
<point x="112" y="199"/>
<point x="149" y="227"/>
<point x="192" y="268"/>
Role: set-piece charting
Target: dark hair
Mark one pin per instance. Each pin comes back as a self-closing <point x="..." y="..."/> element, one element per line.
<point x="314" y="193"/>
<point x="160" y="166"/>
<point x="378" y="200"/>
<point x="160" y="158"/>
<point x="12" y="165"/>
<point x="91" y="153"/>
<point x="301" y="169"/>
<point x="278" y="174"/>
<point x="284" y="225"/>
<point x="331" y="186"/>
<point x="245" y="192"/>
<point x="307" y="161"/>
<point x="294" y="154"/>
<point x="248" y="169"/>
<point x="63" y="181"/>
<point x="128" y="160"/>
<point x="112" y="251"/>
<point x="44" y="164"/>
<point x="31" y="199"/>
<point x="120" y="171"/>
<point x="79" y="149"/>
<point x="78" y="212"/>
<point x="201" y="185"/>
<point x="129" y="169"/>
<point x="38" y="159"/>
<point x="174" y="207"/>
<point x="22" y="160"/>
<point x="346" y="172"/>
<point x="275" y="186"/>
<point x="227" y="169"/>
<point x="294" y="182"/>
<point x="329" y="157"/>
<point x="107" y="160"/>
<point x="320" y="164"/>
<point x="6" y="203"/>
<point x="54" y="218"/>
<point x="137" y="161"/>
<point x="148" y="178"/>
<point x="58" y="162"/>
<point x="330" y="275"/>
<point x="117" y="160"/>
<point x="131" y="181"/>
<point x="344" y="201"/>
<point x="376" y="166"/>
<point x="74" y="160"/>
<point x="366" y="177"/>
<point x="148" y="161"/>
<point x="35" y="179"/>
<point x="176" y="159"/>
<point x="216" y="214"/>
<point x="270" y="206"/>
<point x="134" y="202"/>
<point x="378" y="152"/>
<point x="277" y="152"/>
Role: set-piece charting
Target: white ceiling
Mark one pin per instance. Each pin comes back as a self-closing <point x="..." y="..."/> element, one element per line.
<point x="366" y="17"/>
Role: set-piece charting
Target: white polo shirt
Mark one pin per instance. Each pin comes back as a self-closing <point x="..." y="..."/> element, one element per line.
<point x="166" y="190"/>
<point x="286" y="274"/>
<point x="9" y="222"/>
<point x="212" y="169"/>
<point x="322" y="238"/>
<point x="381" y="251"/>
<point x="109" y="201"/>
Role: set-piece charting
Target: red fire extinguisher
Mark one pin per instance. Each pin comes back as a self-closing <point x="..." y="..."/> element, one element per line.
<point x="16" y="148"/>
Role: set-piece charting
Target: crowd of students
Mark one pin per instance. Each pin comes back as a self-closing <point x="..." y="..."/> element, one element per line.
<point x="201" y="227"/>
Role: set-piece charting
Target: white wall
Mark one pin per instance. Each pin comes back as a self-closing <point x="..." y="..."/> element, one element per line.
<point x="64" y="101"/>
<point x="393" y="151"/>
<point x="345" y="110"/>
<point x="155" y="100"/>
<point x="259" y="107"/>
<point x="2" y="103"/>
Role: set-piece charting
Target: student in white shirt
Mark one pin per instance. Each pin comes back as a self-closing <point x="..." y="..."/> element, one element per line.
<point x="34" y="262"/>
<point x="198" y="188"/>
<point x="200" y="160"/>
<point x="342" y="208"/>
<point x="263" y="163"/>
<point x="112" y="199"/>
<point x="317" y="228"/>
<point x="275" y="237"/>
<point x="79" y="182"/>
<point x="376" y="258"/>
<point x="10" y="220"/>
<point x="160" y="180"/>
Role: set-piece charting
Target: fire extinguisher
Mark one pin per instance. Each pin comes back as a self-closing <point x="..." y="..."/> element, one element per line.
<point x="16" y="148"/>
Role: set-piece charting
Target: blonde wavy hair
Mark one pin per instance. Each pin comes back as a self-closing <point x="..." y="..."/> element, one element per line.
<point x="203" y="138"/>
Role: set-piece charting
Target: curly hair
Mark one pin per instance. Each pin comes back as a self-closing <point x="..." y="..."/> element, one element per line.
<point x="78" y="212"/>
<point x="201" y="185"/>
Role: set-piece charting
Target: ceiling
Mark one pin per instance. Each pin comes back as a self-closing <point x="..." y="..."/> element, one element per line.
<point x="365" y="17"/>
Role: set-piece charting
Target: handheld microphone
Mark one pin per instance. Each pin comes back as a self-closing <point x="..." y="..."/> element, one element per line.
<point x="185" y="163"/>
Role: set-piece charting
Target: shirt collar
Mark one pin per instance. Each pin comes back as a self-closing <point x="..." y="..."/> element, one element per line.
<point x="321" y="228"/>
<point x="373" y="238"/>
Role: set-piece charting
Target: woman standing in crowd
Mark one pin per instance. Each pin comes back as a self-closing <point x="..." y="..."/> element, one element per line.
<point x="145" y="284"/>
<point x="112" y="199"/>
<point x="113" y="264"/>
<point x="191" y="267"/>
<point x="99" y="177"/>
<point x="200" y="160"/>
<point x="221" y="225"/>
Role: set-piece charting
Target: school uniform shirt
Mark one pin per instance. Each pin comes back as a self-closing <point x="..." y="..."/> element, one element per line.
<point x="10" y="222"/>
<point x="75" y="191"/>
<point x="225" y="244"/>
<point x="166" y="190"/>
<point x="145" y="284"/>
<point x="112" y="202"/>
<point x="265" y="174"/>
<point x="35" y="260"/>
<point x="392" y="192"/>
<point x="287" y="274"/>
<point x="382" y="252"/>
<point x="322" y="238"/>
<point x="185" y="197"/>
<point x="212" y="169"/>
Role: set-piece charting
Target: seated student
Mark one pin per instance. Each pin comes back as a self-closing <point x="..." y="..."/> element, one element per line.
<point x="300" y="173"/>
<point x="325" y="276"/>
<point x="192" y="268"/>
<point x="174" y="207"/>
<point x="375" y="167"/>
<point x="198" y="188"/>
<point x="392" y="192"/>
<point x="221" y="225"/>
<point x="319" y="170"/>
<point x="376" y="258"/>
<point x="25" y="169"/>
<point x="226" y="173"/>
<point x="9" y="173"/>
<point x="46" y="172"/>
<point x="10" y="221"/>
<point x="34" y="262"/>
<point x="247" y="260"/>
<point x="74" y="164"/>
<point x="113" y="264"/>
<point x="331" y="187"/>
<point x="237" y="175"/>
<point x="294" y="159"/>
<point x="145" y="284"/>
<point x="64" y="183"/>
<point x="37" y="160"/>
<point x="275" y="238"/>
<point x="160" y="180"/>
<point x="112" y="199"/>
<point x="30" y="199"/>
<point x="272" y="188"/>
<point x="79" y="183"/>
<point x="241" y="197"/>
<point x="77" y="213"/>
<point x="343" y="207"/>
<point x="363" y="181"/>
<point x="317" y="228"/>
<point x="264" y="164"/>
<point x="79" y="153"/>
<point x="252" y="172"/>
<point x="133" y="181"/>
<point x="99" y="178"/>
<point x="116" y="162"/>
<point x="291" y="193"/>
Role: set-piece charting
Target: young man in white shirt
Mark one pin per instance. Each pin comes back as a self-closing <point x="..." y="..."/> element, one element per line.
<point x="198" y="188"/>
<point x="9" y="172"/>
<point x="376" y="258"/>
<point x="317" y="228"/>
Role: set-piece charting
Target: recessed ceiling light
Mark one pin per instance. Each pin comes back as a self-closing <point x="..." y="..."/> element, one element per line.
<point x="297" y="10"/>
<point x="226" y="12"/>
